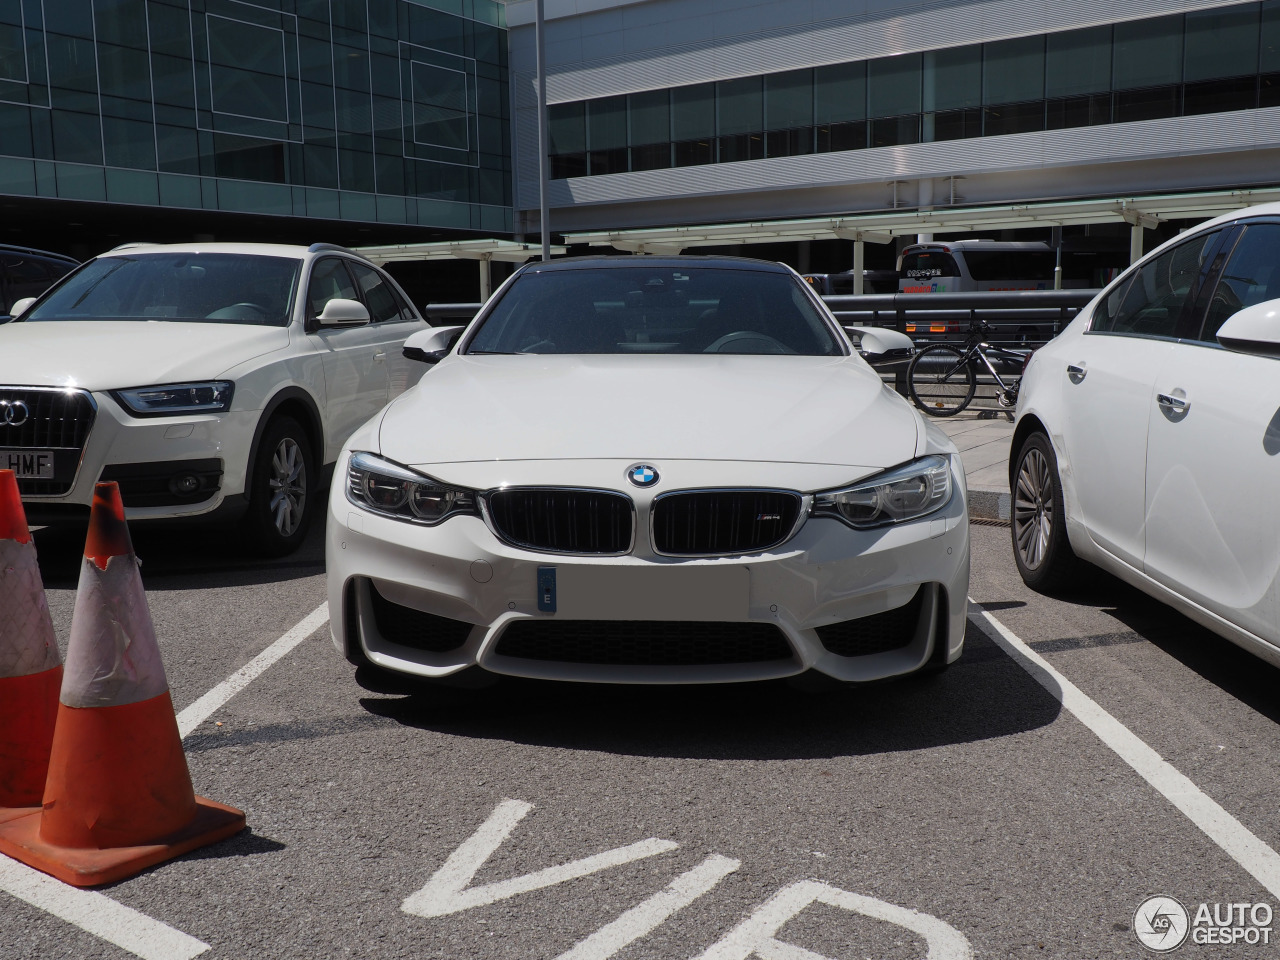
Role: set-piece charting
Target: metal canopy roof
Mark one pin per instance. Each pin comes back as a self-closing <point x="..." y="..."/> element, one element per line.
<point x="507" y="251"/>
<point x="883" y="227"/>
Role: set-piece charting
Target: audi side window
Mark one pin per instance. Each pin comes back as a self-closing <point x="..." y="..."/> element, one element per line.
<point x="377" y="294"/>
<point x="1252" y="275"/>
<point x="329" y="281"/>
<point x="1156" y="296"/>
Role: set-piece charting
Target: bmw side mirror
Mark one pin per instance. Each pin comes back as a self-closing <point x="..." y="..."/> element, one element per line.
<point x="880" y="345"/>
<point x="431" y="346"/>
<point x="343" y="313"/>
<point x="21" y="307"/>
<point x="1254" y="329"/>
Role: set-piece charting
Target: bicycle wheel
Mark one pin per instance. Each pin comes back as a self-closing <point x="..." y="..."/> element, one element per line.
<point x="941" y="381"/>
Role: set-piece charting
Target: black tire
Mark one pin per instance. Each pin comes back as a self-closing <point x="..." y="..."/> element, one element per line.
<point x="1038" y="522"/>
<point x="940" y="384"/>
<point x="281" y="489"/>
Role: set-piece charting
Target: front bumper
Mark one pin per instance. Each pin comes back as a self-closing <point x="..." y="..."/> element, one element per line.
<point x="144" y="454"/>
<point x="388" y="579"/>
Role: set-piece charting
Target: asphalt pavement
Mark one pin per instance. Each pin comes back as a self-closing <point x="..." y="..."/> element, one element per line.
<point x="395" y="820"/>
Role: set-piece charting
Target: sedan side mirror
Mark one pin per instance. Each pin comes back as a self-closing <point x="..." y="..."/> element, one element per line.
<point x="431" y="346"/>
<point x="343" y="313"/>
<point x="880" y="345"/>
<point x="21" y="307"/>
<point x="1254" y="329"/>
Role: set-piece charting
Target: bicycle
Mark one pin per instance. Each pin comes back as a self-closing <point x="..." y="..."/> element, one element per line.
<point x="942" y="378"/>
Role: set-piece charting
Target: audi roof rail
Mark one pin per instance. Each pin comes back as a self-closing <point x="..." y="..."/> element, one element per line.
<point x="19" y="248"/>
<point x="131" y="244"/>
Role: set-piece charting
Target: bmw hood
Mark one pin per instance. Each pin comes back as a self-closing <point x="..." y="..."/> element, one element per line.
<point x="810" y="410"/>
<point x="108" y="354"/>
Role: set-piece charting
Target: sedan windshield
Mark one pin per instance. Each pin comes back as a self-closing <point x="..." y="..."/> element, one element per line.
<point x="200" y="287"/>
<point x="659" y="309"/>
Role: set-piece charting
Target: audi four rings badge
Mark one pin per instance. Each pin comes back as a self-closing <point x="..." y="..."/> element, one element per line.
<point x="15" y="413"/>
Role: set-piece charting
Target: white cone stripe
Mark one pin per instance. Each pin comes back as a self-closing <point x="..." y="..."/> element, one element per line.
<point x="200" y="711"/>
<point x="27" y="641"/>
<point x="98" y="915"/>
<point x="1233" y="837"/>
<point x="112" y="658"/>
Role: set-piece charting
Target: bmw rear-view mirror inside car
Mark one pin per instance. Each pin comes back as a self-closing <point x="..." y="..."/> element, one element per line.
<point x="343" y="313"/>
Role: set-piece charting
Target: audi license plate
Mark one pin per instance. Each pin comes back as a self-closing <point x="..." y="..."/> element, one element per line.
<point x="28" y="464"/>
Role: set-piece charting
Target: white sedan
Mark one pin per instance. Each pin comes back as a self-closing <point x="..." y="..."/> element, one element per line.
<point x="1148" y="434"/>
<point x="648" y="470"/>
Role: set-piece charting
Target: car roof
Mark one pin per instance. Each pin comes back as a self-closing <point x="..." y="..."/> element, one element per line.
<point x="980" y="245"/>
<point x="33" y="252"/>
<point x="716" y="263"/>
<point x="295" y="251"/>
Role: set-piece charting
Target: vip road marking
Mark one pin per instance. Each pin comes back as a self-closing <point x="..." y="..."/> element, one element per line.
<point x="1233" y="837"/>
<point x="106" y="918"/>
<point x="447" y="892"/>
<point x="200" y="711"/>
<point x="99" y="915"/>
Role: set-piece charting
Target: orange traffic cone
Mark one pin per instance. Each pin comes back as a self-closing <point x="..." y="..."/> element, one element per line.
<point x="30" y="670"/>
<point x="118" y="798"/>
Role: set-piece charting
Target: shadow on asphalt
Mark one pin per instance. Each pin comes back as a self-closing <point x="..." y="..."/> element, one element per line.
<point x="984" y="695"/>
<point x="186" y="555"/>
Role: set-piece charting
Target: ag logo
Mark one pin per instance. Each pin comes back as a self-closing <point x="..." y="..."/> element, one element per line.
<point x="1161" y="924"/>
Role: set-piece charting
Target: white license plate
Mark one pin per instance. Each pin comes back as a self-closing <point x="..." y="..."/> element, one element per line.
<point x="28" y="464"/>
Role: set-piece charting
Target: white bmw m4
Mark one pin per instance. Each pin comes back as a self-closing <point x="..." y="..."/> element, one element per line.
<point x="648" y="470"/>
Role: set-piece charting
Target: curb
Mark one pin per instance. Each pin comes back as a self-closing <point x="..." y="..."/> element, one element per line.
<point x="989" y="505"/>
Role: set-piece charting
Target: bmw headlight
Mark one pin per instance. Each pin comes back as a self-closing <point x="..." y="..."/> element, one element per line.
<point x="388" y="488"/>
<point x="908" y="492"/>
<point x="209" y="396"/>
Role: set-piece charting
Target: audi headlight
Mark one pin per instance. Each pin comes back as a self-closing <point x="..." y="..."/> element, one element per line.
<point x="209" y="396"/>
<point x="908" y="492"/>
<point x="385" y="487"/>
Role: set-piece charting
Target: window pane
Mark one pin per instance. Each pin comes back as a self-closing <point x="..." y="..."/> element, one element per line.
<point x="693" y="112"/>
<point x="953" y="78"/>
<point x="246" y="68"/>
<point x="1162" y="289"/>
<point x="1221" y="43"/>
<point x="377" y="294"/>
<point x="741" y="105"/>
<point x="1013" y="70"/>
<point x="840" y="92"/>
<point x="607" y="123"/>
<point x="1270" y="36"/>
<point x="893" y="86"/>
<point x="440" y="115"/>
<point x="650" y="117"/>
<point x="788" y="100"/>
<point x="1252" y="276"/>
<point x="1078" y="62"/>
<point x="1147" y="53"/>
<point x="567" y="126"/>
<point x="329" y="281"/>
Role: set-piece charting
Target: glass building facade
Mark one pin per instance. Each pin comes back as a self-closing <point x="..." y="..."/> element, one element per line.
<point x="1224" y="58"/>
<point x="383" y="111"/>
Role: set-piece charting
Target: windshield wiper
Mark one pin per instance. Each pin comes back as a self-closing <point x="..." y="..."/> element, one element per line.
<point x="496" y="353"/>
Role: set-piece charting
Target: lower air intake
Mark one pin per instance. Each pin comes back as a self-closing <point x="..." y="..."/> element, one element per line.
<point x="879" y="633"/>
<point x="647" y="643"/>
<point x="413" y="628"/>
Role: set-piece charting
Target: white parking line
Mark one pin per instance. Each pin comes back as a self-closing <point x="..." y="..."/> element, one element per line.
<point x="101" y="916"/>
<point x="200" y="711"/>
<point x="1222" y="828"/>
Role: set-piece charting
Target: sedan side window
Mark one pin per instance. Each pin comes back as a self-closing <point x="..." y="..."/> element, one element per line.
<point x="1252" y="275"/>
<point x="329" y="281"/>
<point x="1154" y="300"/>
<point x="377" y="294"/>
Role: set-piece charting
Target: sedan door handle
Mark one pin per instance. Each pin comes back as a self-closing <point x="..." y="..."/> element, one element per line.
<point x="379" y="356"/>
<point x="1076" y="372"/>
<point x="1172" y="404"/>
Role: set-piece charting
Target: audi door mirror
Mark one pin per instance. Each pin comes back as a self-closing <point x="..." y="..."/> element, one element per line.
<point x="343" y="313"/>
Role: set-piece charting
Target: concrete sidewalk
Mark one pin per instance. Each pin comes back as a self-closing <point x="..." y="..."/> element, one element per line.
<point x="983" y="438"/>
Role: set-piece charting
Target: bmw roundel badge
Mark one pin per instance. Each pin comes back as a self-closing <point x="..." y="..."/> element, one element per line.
<point x="642" y="475"/>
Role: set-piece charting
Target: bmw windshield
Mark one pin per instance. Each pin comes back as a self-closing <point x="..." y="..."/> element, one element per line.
<point x="192" y="287"/>
<point x="684" y="309"/>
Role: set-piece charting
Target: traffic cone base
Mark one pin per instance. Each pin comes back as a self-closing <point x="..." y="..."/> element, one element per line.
<point x="87" y="867"/>
<point x="28" y="708"/>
